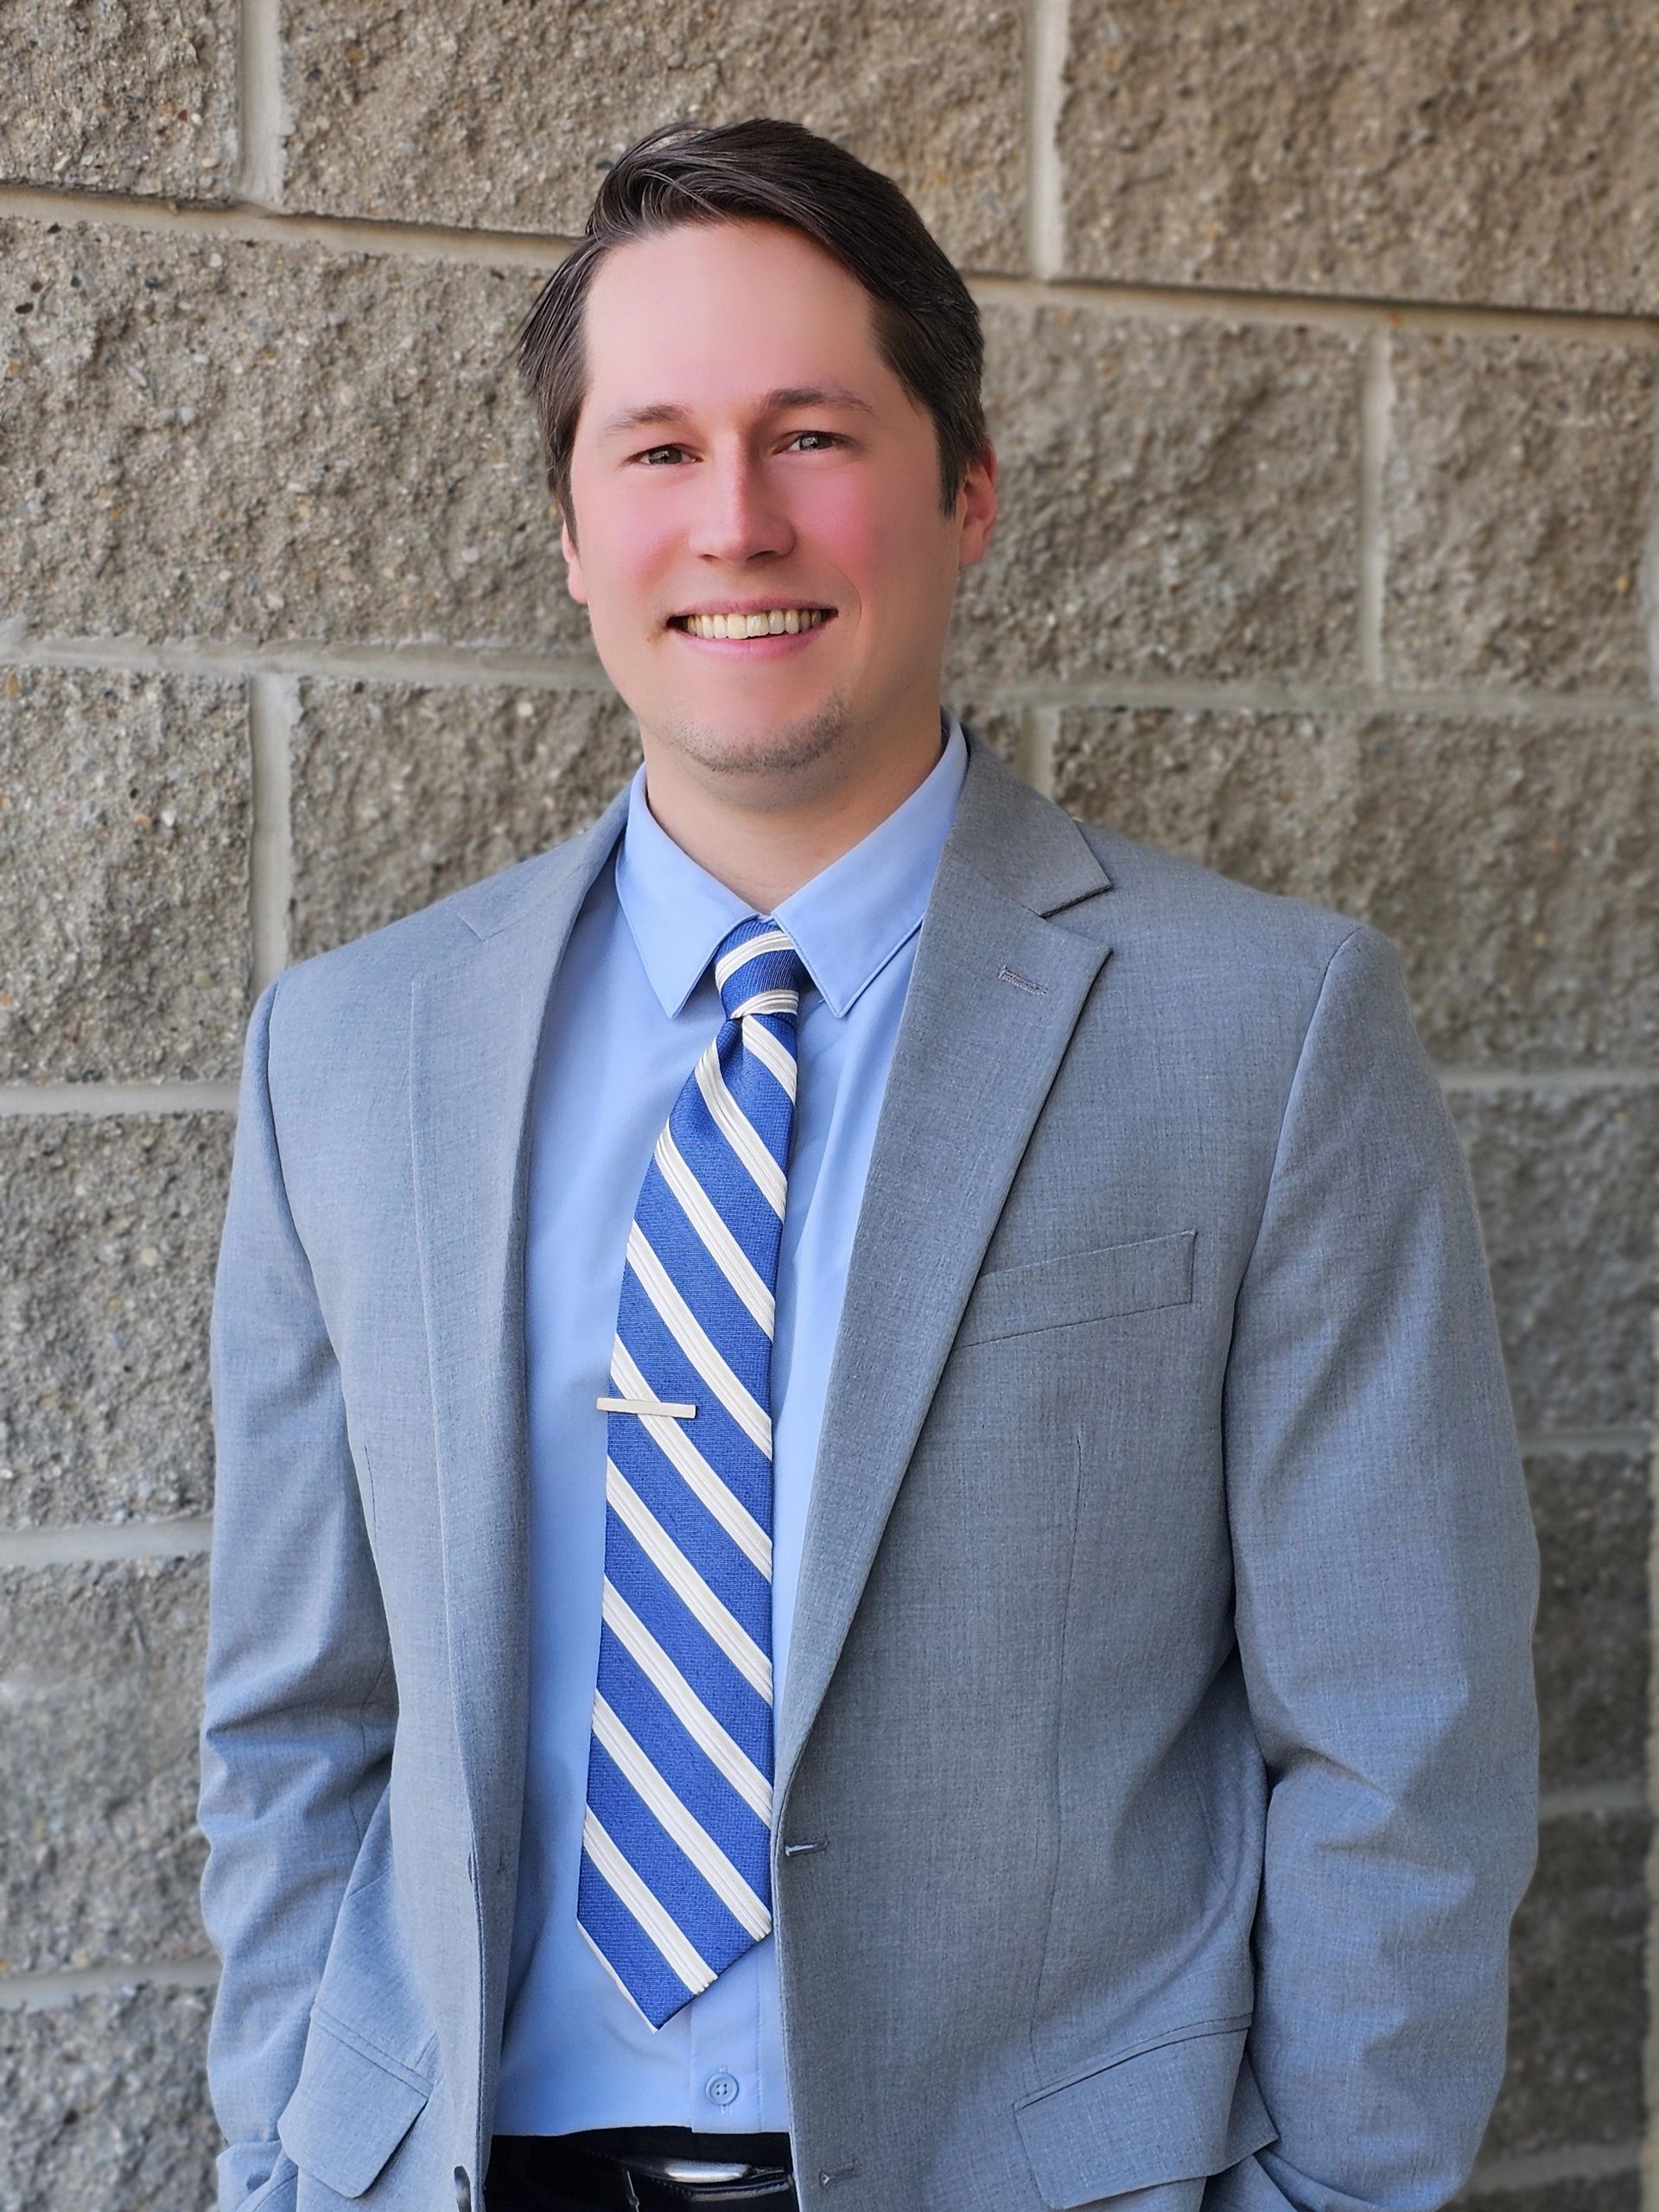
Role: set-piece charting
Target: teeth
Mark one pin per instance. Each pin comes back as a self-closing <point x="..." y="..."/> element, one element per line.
<point x="777" y="622"/>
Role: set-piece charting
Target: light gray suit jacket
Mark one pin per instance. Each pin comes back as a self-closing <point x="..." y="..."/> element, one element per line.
<point x="1160" y="1703"/>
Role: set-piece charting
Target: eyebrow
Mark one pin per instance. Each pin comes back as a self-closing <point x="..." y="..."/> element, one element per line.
<point x="785" y="395"/>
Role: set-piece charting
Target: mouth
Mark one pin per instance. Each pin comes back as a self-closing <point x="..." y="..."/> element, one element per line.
<point x="748" y="630"/>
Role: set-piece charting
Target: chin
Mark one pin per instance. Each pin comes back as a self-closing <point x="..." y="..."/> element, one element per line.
<point x="782" y="739"/>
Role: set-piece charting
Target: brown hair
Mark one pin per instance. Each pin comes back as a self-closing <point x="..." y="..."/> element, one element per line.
<point x="926" y="325"/>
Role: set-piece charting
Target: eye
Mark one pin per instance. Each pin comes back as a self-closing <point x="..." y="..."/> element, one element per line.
<point x="650" y="450"/>
<point x="830" y="437"/>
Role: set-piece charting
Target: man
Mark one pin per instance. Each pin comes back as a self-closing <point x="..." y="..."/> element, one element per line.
<point x="870" y="1549"/>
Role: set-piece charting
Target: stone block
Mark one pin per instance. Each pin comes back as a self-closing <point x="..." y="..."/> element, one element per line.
<point x="472" y="112"/>
<point x="1577" y="2010"/>
<point x="1428" y="149"/>
<point x="244" y="441"/>
<point x="106" y="2104"/>
<point x="1599" y="2192"/>
<point x="1510" y="860"/>
<point x="1593" y="1517"/>
<point x="100" y="1855"/>
<point x="1513" y="863"/>
<point x="122" y="98"/>
<point x="112" y="1228"/>
<point x="125" y="942"/>
<point x="1517" y="484"/>
<point x="1266" y="797"/>
<point x="402" y="795"/>
<point x="1175" y="498"/>
<point x="1566" y="1180"/>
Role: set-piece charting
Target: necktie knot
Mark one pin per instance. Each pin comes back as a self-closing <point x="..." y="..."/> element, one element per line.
<point x="758" y="970"/>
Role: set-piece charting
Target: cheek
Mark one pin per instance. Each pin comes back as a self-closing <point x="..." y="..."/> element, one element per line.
<point x="632" y="543"/>
<point x="626" y="536"/>
<point x="879" y="545"/>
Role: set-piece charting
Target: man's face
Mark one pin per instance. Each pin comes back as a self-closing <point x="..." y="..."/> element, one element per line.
<point x="707" y="478"/>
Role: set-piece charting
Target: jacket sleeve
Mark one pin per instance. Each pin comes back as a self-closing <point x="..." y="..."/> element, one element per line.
<point x="300" y="1706"/>
<point x="1386" y="1576"/>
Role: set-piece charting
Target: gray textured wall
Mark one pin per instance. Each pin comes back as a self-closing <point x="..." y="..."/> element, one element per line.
<point x="1323" y="367"/>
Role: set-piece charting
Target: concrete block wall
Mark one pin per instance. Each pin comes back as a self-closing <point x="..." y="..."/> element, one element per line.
<point x="1323" y="368"/>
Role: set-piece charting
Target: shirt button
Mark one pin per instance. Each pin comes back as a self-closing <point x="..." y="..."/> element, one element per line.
<point x="720" y="2088"/>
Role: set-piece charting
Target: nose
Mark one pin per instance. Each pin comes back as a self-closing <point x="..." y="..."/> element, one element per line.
<point x="738" y="514"/>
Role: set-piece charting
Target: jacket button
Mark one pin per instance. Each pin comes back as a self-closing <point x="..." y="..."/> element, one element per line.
<point x="463" y="2190"/>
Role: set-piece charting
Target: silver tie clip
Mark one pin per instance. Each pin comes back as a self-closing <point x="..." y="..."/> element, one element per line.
<point x="675" y="1410"/>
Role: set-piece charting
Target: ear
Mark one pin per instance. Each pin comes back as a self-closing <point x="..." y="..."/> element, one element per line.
<point x="977" y="503"/>
<point x="572" y="564"/>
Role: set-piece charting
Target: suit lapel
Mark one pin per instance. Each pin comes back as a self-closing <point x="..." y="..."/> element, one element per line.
<point x="973" y="1059"/>
<point x="475" y="1021"/>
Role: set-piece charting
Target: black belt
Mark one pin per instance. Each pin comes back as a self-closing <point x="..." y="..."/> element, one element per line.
<point x="645" y="2169"/>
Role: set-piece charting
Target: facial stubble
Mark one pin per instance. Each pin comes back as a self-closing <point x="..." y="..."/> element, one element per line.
<point x="794" y="745"/>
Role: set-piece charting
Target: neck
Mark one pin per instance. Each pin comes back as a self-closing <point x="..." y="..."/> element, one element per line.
<point x="763" y="836"/>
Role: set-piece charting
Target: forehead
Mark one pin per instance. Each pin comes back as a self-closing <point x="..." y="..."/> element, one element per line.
<point x="707" y="313"/>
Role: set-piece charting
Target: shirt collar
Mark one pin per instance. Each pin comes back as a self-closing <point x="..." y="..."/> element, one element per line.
<point x="846" y="923"/>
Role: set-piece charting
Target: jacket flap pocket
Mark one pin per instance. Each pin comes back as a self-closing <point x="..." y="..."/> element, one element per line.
<point x="1081" y="1287"/>
<point x="1184" y="2107"/>
<point x="351" y="2108"/>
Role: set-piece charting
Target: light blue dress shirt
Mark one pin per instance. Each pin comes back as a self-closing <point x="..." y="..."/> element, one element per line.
<point x="632" y="1006"/>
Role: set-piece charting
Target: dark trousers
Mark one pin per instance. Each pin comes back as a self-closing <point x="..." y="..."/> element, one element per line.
<point x="592" y="2173"/>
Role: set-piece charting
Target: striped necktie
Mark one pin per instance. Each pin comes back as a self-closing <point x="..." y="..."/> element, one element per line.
<point x="675" y="1881"/>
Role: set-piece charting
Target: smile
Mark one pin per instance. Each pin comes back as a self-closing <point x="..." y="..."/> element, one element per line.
<point x="770" y="622"/>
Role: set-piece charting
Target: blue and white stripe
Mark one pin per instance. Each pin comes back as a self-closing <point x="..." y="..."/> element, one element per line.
<point x="675" y="1881"/>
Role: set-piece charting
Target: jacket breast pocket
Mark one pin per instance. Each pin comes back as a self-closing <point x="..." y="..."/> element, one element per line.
<point x="1172" y="2111"/>
<point x="1086" y="1285"/>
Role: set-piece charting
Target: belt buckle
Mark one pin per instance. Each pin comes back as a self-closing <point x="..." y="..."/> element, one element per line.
<point x="660" y="2168"/>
